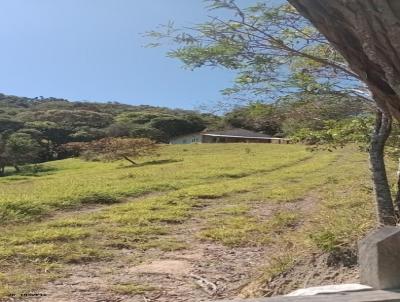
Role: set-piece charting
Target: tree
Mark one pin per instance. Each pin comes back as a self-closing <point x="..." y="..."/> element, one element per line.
<point x="338" y="133"/>
<point x="312" y="112"/>
<point x="277" y="52"/>
<point x="48" y="134"/>
<point x="273" y="48"/>
<point x="18" y="149"/>
<point x="3" y="158"/>
<point x="10" y="124"/>
<point x="257" y="117"/>
<point x="69" y="119"/>
<point x="366" y="32"/>
<point x="51" y="131"/>
<point x="112" y="149"/>
<point x="298" y="113"/>
<point x="174" y="126"/>
<point x="145" y="131"/>
<point x="60" y="121"/>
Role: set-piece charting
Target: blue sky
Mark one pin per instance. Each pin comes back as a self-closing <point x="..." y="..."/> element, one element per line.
<point x="93" y="50"/>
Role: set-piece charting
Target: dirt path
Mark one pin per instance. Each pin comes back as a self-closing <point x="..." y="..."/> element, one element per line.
<point x="204" y="271"/>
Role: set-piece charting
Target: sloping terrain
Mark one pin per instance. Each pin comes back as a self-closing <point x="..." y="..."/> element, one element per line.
<point x="199" y="222"/>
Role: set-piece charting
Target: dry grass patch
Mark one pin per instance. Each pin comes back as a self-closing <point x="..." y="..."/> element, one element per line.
<point x="131" y="289"/>
<point x="227" y="179"/>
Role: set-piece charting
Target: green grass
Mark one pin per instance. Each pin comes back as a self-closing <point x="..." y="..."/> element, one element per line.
<point x="223" y="185"/>
<point x="73" y="182"/>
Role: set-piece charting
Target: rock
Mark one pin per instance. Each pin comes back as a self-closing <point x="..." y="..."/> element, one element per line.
<point x="379" y="258"/>
<point x="329" y="289"/>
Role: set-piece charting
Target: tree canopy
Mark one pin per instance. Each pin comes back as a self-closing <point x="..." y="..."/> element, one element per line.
<point x="326" y="48"/>
<point x="274" y="50"/>
<point x="365" y="32"/>
<point x="33" y="129"/>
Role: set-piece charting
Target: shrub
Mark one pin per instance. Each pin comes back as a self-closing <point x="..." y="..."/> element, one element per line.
<point x="111" y="149"/>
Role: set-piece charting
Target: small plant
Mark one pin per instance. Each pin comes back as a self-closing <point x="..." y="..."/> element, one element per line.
<point x="279" y="264"/>
<point x="131" y="289"/>
<point x="98" y="198"/>
<point x="325" y="240"/>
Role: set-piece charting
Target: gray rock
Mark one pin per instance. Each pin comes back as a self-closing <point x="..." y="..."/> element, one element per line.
<point x="358" y="296"/>
<point x="379" y="258"/>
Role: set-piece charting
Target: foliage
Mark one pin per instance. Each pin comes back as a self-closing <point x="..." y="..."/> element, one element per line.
<point x="17" y="149"/>
<point x="69" y="118"/>
<point x="7" y="123"/>
<point x="21" y="148"/>
<point x="175" y="126"/>
<point x="314" y="111"/>
<point x="274" y="50"/>
<point x="335" y="134"/>
<point x="159" y="127"/>
<point x="257" y="117"/>
<point x="279" y="57"/>
<point x="299" y="114"/>
<point x="52" y="122"/>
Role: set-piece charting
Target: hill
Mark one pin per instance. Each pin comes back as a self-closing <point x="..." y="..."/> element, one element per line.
<point x="198" y="222"/>
<point x="84" y="121"/>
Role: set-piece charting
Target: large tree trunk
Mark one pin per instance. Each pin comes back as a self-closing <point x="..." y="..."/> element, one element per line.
<point x="367" y="34"/>
<point x="397" y="199"/>
<point x="384" y="203"/>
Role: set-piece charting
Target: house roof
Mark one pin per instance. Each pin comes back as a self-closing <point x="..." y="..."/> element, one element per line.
<point x="236" y="132"/>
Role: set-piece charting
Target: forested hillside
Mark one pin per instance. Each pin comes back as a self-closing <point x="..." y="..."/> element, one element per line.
<point x="32" y="130"/>
<point x="84" y="121"/>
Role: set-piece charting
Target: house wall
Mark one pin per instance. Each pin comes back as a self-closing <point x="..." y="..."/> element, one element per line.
<point x="187" y="139"/>
<point x="215" y="139"/>
<point x="280" y="141"/>
<point x="198" y="138"/>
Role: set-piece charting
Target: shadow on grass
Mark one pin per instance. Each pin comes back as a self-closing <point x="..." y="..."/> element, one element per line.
<point x="12" y="212"/>
<point x="98" y="198"/>
<point x="31" y="170"/>
<point x="154" y="162"/>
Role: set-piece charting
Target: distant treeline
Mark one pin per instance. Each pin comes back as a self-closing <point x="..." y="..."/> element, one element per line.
<point x="86" y="121"/>
<point x="33" y="129"/>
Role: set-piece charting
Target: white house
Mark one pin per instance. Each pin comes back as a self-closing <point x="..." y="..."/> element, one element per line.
<point x="227" y="136"/>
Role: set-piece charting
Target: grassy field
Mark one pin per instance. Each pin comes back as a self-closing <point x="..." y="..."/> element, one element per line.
<point x="74" y="212"/>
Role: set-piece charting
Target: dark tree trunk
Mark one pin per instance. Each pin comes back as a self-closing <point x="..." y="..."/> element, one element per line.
<point x="384" y="203"/>
<point x="2" y="169"/>
<point x="397" y="200"/>
<point x="17" y="169"/>
<point x="131" y="161"/>
<point x="366" y="33"/>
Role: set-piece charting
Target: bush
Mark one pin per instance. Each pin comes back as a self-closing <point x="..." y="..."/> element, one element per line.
<point x="112" y="149"/>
